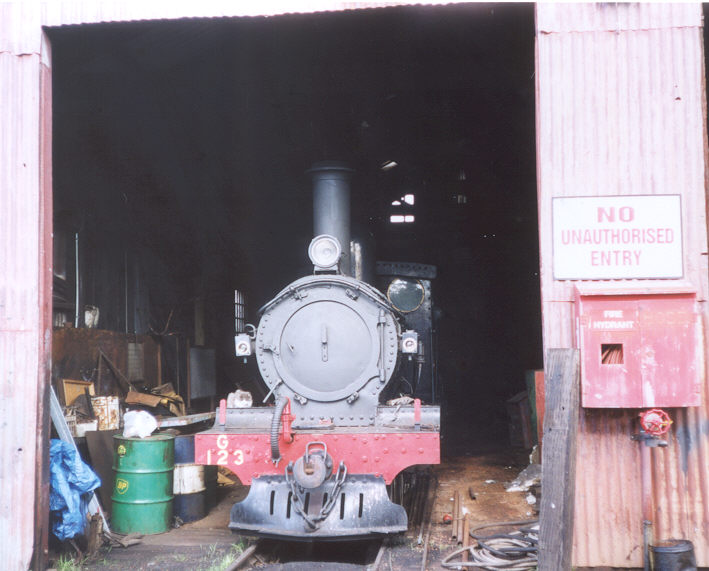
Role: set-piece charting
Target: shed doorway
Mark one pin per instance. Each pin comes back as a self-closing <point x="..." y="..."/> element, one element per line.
<point x="179" y="153"/>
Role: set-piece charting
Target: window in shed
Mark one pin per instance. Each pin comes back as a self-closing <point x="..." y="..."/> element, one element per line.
<point x="403" y="204"/>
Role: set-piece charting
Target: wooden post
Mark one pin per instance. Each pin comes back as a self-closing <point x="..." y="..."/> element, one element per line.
<point x="559" y="459"/>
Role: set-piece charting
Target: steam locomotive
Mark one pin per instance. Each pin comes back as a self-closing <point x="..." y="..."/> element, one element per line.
<point x="330" y="347"/>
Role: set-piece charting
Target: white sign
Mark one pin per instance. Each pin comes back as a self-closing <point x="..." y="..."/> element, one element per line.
<point x="617" y="237"/>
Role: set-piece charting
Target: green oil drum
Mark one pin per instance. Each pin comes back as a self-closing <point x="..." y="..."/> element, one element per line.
<point x="142" y="491"/>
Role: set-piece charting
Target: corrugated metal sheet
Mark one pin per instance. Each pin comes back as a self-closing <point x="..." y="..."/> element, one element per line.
<point x="20" y="328"/>
<point x="620" y="95"/>
<point x="20" y="20"/>
<point x="88" y="11"/>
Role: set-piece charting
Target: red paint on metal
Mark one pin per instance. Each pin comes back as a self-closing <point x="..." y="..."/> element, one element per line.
<point x="41" y="537"/>
<point x="417" y="411"/>
<point x="539" y="394"/>
<point x="286" y="420"/>
<point x="222" y="412"/>
<point x="638" y="350"/>
<point x="382" y="454"/>
<point x="655" y="421"/>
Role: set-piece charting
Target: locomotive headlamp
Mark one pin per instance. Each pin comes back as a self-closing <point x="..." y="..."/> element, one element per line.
<point x="325" y="252"/>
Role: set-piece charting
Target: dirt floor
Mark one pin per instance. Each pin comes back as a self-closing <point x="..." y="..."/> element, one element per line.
<point x="208" y="544"/>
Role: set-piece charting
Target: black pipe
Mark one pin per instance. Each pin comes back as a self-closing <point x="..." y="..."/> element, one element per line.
<point x="276" y="428"/>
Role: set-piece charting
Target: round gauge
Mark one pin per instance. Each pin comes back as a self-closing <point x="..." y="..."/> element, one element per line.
<point x="406" y="294"/>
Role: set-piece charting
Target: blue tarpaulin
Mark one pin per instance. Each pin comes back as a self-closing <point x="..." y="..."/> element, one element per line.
<point x="70" y="483"/>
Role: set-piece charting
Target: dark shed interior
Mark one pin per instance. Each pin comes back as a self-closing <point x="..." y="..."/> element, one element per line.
<point x="180" y="149"/>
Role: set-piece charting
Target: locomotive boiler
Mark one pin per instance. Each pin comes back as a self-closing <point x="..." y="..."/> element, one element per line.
<point x="329" y="347"/>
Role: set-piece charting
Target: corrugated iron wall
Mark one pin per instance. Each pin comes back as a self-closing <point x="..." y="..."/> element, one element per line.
<point x="620" y="110"/>
<point x="20" y="320"/>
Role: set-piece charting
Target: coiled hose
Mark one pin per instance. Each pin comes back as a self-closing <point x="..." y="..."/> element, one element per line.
<point x="276" y="429"/>
<point x="516" y="551"/>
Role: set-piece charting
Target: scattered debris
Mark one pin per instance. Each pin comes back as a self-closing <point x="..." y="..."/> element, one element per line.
<point x="513" y="551"/>
<point x="527" y="478"/>
<point x="223" y="479"/>
<point x="401" y="401"/>
<point x="535" y="456"/>
<point x="491" y="481"/>
<point x="118" y="540"/>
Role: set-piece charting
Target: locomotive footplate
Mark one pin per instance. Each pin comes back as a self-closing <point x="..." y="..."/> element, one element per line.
<point x="275" y="507"/>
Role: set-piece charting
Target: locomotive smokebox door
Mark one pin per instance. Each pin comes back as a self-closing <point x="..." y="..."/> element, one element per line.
<point x="329" y="339"/>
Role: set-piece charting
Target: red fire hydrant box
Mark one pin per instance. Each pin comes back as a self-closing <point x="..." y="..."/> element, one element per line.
<point x="639" y="350"/>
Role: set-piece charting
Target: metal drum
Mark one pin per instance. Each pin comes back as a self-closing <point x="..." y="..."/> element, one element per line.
<point x="190" y="502"/>
<point x="184" y="449"/>
<point x="142" y="493"/>
<point x="189" y="490"/>
<point x="674" y="555"/>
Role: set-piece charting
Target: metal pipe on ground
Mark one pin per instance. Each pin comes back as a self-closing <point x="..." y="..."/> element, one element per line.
<point x="456" y="515"/>
<point x="243" y="558"/>
<point x="466" y="536"/>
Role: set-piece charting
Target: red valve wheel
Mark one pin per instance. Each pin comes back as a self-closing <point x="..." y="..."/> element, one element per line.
<point x="655" y="421"/>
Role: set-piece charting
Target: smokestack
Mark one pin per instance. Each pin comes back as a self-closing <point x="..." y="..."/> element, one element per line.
<point x="331" y="205"/>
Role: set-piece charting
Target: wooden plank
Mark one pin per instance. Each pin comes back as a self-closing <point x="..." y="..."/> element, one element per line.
<point x="559" y="459"/>
<point x="100" y="445"/>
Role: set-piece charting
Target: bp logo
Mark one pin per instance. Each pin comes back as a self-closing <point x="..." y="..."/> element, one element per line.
<point x="121" y="450"/>
<point x="121" y="485"/>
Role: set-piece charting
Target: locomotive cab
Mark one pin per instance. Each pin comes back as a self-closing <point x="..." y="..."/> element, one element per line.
<point x="327" y="346"/>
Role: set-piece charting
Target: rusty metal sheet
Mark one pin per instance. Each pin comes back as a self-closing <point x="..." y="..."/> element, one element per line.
<point x="620" y="111"/>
